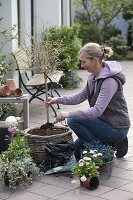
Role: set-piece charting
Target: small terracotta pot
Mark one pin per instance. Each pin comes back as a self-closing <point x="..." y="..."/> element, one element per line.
<point x="18" y="92"/>
<point x="4" y="91"/>
<point x="91" y="183"/>
<point x="11" y="84"/>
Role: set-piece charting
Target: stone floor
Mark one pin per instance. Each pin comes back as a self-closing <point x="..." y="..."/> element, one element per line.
<point x="58" y="187"/>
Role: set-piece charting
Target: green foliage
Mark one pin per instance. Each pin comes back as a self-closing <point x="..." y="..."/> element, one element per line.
<point x="101" y="12"/>
<point x="85" y="168"/>
<point x="119" y="47"/>
<point x="6" y="109"/>
<point x="70" y="80"/>
<point x="16" y="163"/>
<point x="71" y="44"/>
<point x="89" y="33"/>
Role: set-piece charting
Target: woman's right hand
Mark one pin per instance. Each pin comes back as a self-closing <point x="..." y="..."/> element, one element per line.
<point x="51" y="101"/>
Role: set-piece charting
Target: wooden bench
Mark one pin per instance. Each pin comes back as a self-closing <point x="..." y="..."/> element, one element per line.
<point x="33" y="82"/>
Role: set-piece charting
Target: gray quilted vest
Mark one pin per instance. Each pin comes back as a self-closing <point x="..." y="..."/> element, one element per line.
<point x="116" y="113"/>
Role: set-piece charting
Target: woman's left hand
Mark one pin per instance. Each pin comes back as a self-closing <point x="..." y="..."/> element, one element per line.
<point x="61" y="116"/>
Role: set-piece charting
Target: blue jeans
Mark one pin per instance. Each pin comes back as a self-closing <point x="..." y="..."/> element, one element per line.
<point x="94" y="129"/>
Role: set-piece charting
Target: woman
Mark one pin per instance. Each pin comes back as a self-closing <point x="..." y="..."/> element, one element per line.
<point x="106" y="118"/>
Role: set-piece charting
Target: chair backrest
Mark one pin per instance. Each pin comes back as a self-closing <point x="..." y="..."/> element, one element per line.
<point x="22" y="59"/>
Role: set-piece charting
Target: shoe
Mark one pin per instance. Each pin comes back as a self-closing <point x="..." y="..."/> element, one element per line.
<point x="121" y="148"/>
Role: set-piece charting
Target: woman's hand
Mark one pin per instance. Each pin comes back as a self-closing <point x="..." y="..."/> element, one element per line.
<point x="61" y="116"/>
<point x="51" y="101"/>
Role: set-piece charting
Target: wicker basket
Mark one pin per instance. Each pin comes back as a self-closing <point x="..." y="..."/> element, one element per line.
<point x="37" y="139"/>
<point x="105" y="170"/>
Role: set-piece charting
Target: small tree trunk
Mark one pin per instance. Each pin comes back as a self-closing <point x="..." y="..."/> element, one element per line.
<point x="46" y="91"/>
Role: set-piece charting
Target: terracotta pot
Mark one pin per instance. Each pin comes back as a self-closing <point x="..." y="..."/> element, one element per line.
<point x="11" y="84"/>
<point x="4" y="91"/>
<point x="18" y="92"/>
<point x="91" y="183"/>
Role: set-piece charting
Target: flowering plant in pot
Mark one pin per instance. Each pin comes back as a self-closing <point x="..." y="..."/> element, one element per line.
<point x="106" y="159"/>
<point x="17" y="166"/>
<point x="87" y="170"/>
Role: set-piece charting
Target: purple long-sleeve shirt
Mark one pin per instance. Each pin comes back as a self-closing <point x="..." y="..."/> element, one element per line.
<point x="108" y="89"/>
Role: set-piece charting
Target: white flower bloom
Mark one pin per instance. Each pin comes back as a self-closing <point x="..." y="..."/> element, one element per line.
<point x="73" y="181"/>
<point x="91" y="151"/>
<point x="81" y="160"/>
<point x="87" y="158"/>
<point x="83" y="178"/>
<point x="11" y="121"/>
<point x="81" y="164"/>
<point x="84" y="152"/>
<point x="99" y="154"/>
<point x="95" y="155"/>
<point x="18" y="119"/>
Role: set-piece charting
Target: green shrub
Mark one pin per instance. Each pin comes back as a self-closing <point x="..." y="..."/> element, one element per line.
<point x="89" y="33"/>
<point x="70" y="80"/>
<point x="71" y="44"/>
<point x="119" y="47"/>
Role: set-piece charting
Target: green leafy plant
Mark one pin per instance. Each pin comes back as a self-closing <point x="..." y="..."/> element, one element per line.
<point x="94" y="156"/>
<point x="5" y="109"/>
<point x="86" y="167"/>
<point x="17" y="166"/>
<point x="71" y="44"/>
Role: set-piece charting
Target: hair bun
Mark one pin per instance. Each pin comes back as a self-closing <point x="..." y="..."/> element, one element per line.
<point x="108" y="52"/>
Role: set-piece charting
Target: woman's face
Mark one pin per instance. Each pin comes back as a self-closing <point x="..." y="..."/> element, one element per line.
<point x="86" y="63"/>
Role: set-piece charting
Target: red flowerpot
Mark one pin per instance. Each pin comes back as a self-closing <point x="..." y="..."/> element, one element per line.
<point x="4" y="91"/>
<point x="11" y="84"/>
<point x="91" y="183"/>
<point x="18" y="92"/>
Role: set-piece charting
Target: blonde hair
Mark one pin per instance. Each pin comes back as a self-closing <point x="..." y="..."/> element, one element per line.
<point x="96" y="50"/>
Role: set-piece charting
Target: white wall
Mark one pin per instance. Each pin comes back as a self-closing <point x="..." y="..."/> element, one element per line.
<point x="8" y="11"/>
<point x="47" y="13"/>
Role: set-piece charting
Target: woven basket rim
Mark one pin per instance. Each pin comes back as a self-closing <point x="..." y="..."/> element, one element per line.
<point x="49" y="136"/>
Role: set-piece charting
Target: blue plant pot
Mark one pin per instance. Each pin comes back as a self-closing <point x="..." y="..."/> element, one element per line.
<point x="5" y="137"/>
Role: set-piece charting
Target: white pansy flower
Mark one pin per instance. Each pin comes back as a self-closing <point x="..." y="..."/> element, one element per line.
<point x="87" y="158"/>
<point x="18" y="119"/>
<point x="99" y="154"/>
<point x="83" y="178"/>
<point x="81" y="164"/>
<point x="95" y="155"/>
<point x="11" y="121"/>
<point x="73" y="181"/>
<point x="81" y="160"/>
<point x="84" y="152"/>
<point x="91" y="151"/>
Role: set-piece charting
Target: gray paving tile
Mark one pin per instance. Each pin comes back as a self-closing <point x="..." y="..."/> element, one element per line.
<point x="61" y="181"/>
<point x="117" y="195"/>
<point x="123" y="163"/>
<point x="74" y="195"/>
<point x="21" y="195"/>
<point x="125" y="175"/>
<point x="114" y="182"/>
<point x="5" y="192"/>
<point x="46" y="191"/>
<point x="100" y="190"/>
<point x="128" y="187"/>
